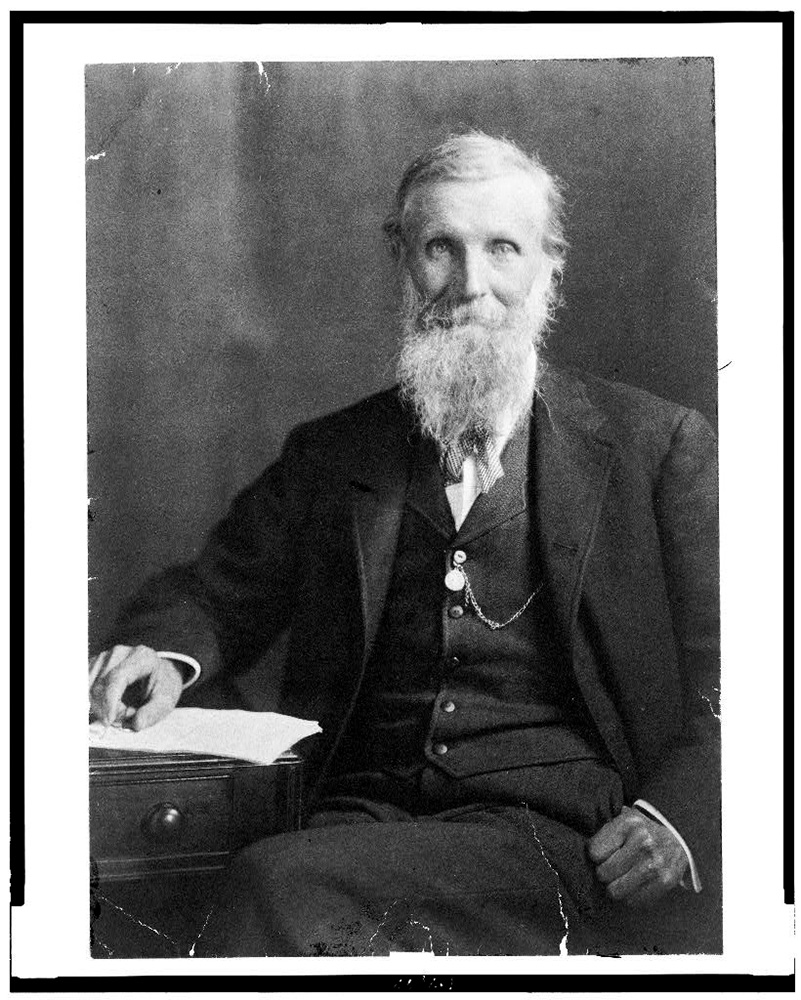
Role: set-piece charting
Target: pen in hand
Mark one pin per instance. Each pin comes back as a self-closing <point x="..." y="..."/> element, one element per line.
<point x="117" y="722"/>
<point x="107" y="724"/>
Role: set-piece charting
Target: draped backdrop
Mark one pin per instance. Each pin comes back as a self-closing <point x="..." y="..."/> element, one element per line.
<point x="237" y="282"/>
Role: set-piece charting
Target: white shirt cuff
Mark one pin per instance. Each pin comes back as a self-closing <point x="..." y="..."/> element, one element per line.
<point x="190" y="661"/>
<point x="657" y="815"/>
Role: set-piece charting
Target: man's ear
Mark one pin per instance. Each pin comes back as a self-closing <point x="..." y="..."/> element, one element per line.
<point x="394" y="240"/>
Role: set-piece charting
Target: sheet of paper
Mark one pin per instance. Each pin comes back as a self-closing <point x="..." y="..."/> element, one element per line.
<point x="257" y="736"/>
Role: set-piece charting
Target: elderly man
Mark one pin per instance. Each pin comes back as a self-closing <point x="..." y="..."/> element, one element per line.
<point x="500" y="584"/>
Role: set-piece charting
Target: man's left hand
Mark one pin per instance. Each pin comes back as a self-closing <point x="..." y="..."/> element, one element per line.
<point x="636" y="858"/>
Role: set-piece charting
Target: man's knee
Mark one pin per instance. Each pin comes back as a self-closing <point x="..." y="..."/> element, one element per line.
<point x="275" y="865"/>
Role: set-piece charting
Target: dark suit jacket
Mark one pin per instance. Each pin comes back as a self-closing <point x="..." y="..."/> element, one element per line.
<point x="624" y="489"/>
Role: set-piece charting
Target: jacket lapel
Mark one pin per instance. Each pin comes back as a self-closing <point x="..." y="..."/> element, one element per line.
<point x="426" y="490"/>
<point x="572" y="461"/>
<point x="378" y="491"/>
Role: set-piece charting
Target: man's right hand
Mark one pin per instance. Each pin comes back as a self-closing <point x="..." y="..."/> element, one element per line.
<point x="155" y="686"/>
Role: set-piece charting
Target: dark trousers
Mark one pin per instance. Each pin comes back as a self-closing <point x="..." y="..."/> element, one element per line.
<point x="491" y="864"/>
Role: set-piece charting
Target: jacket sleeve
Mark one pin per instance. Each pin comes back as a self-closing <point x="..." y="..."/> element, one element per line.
<point x="225" y="608"/>
<point x="686" y="787"/>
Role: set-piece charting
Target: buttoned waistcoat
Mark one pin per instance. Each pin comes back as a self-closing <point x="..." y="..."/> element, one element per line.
<point x="625" y="491"/>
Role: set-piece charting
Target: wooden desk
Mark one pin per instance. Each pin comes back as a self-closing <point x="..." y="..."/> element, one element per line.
<point x="163" y="828"/>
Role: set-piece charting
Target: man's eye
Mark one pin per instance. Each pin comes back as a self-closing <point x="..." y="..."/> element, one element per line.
<point x="437" y="248"/>
<point x="503" y="248"/>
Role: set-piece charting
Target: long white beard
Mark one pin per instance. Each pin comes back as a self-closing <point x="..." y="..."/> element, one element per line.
<point x="471" y="366"/>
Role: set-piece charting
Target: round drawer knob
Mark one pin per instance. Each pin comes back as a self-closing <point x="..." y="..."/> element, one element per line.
<point x="163" y="822"/>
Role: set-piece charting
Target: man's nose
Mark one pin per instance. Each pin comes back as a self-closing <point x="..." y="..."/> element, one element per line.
<point x="473" y="276"/>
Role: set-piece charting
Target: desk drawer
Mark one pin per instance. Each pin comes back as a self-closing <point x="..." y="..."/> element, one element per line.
<point x="161" y="813"/>
<point x="161" y="818"/>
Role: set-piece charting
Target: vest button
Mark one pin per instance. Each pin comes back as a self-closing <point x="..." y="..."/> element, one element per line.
<point x="455" y="662"/>
<point x="459" y="557"/>
<point x="440" y="749"/>
<point x="448" y="706"/>
<point x="456" y="611"/>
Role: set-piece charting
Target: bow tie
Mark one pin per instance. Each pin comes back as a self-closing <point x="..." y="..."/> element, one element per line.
<point x="488" y="462"/>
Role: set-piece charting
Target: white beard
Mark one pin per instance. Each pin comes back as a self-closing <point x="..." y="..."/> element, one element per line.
<point x="472" y="366"/>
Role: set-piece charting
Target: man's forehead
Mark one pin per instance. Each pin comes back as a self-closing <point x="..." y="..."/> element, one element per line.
<point x="510" y="196"/>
